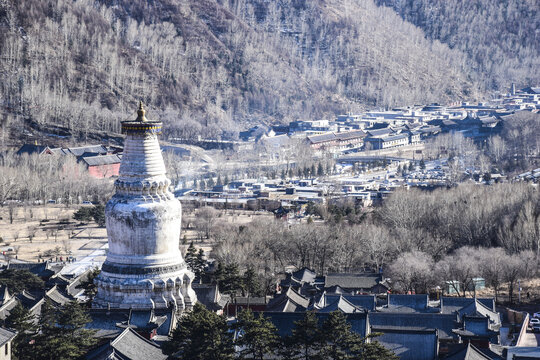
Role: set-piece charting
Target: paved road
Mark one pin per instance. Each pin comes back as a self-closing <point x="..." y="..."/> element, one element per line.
<point x="92" y="260"/>
<point x="530" y="339"/>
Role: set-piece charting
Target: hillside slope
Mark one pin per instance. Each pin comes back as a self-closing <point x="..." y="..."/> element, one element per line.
<point x="210" y="67"/>
<point x="500" y="38"/>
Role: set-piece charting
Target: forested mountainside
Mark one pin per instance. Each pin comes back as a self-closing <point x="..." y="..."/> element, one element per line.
<point x="210" y="67"/>
<point x="500" y="37"/>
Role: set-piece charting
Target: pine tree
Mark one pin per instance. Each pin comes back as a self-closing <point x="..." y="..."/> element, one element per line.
<point x="84" y="214"/>
<point x="19" y="280"/>
<point x="306" y="340"/>
<point x="191" y="257"/>
<point x="210" y="182"/>
<point x="232" y="281"/>
<point x="312" y="171"/>
<point x="201" y="335"/>
<point x="411" y="166"/>
<point x="341" y="343"/>
<point x="200" y="264"/>
<point x="251" y="283"/>
<point x="258" y="336"/>
<point x="291" y="173"/>
<point x="219" y="183"/>
<point x="320" y="170"/>
<point x="219" y="274"/>
<point x="373" y="350"/>
<point x="195" y="184"/>
<point x="89" y="286"/>
<point x="21" y="320"/>
<point x="422" y="165"/>
<point x="337" y="336"/>
<point x="98" y="214"/>
<point x="62" y="332"/>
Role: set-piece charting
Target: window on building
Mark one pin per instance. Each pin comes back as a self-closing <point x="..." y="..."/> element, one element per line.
<point x="7" y="349"/>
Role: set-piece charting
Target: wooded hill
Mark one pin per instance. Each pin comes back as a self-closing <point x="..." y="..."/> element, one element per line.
<point x="210" y="67"/>
<point x="500" y="38"/>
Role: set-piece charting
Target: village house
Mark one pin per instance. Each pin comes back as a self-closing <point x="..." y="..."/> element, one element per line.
<point x="102" y="166"/>
<point x="100" y="161"/>
<point x="337" y="141"/>
<point x="6" y="337"/>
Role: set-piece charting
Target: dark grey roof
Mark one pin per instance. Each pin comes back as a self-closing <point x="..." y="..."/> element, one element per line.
<point x="140" y="318"/>
<point x="395" y="137"/>
<point x="351" y="135"/>
<point x="6" y="308"/>
<point x="28" y="300"/>
<point x="408" y="303"/>
<point x="470" y="352"/>
<point x="409" y="343"/>
<point x="367" y="302"/>
<point x="444" y="323"/>
<point x="128" y="346"/>
<point x="74" y="286"/>
<point x="41" y="269"/>
<point x="6" y="335"/>
<point x="57" y="296"/>
<point x="290" y="301"/>
<point x="476" y="308"/>
<point x="451" y="305"/>
<point x="251" y="300"/>
<point x="352" y="281"/>
<point x="107" y="323"/>
<point x="343" y="305"/>
<point x="430" y="129"/>
<point x="209" y="296"/>
<point x="31" y="149"/>
<point x="78" y="151"/>
<point x="101" y="160"/>
<point x="315" y="139"/>
<point x="4" y="295"/>
<point x="284" y="322"/>
<point x="475" y="333"/>
<point x="380" y="132"/>
<point x="336" y="289"/>
<point x="305" y="275"/>
<point x="166" y="326"/>
<point x="531" y="90"/>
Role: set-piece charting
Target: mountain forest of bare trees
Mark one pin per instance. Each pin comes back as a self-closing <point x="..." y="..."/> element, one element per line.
<point x="211" y="67"/>
<point x="500" y="38"/>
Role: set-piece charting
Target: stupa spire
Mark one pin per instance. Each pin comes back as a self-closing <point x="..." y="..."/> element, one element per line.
<point x="144" y="267"/>
<point x="141" y="113"/>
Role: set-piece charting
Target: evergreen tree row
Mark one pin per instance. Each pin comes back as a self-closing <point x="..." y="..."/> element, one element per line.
<point x="58" y="334"/>
<point x="204" y="335"/>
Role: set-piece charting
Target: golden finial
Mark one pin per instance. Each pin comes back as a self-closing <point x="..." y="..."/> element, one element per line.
<point x="141" y="112"/>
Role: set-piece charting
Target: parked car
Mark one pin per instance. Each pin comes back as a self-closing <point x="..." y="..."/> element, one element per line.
<point x="536" y="328"/>
<point x="534" y="321"/>
<point x="536" y="315"/>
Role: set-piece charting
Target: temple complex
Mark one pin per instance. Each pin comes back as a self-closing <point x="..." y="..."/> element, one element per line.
<point x="144" y="268"/>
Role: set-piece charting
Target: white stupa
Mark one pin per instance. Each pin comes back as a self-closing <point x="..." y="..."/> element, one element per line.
<point x="144" y="268"/>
